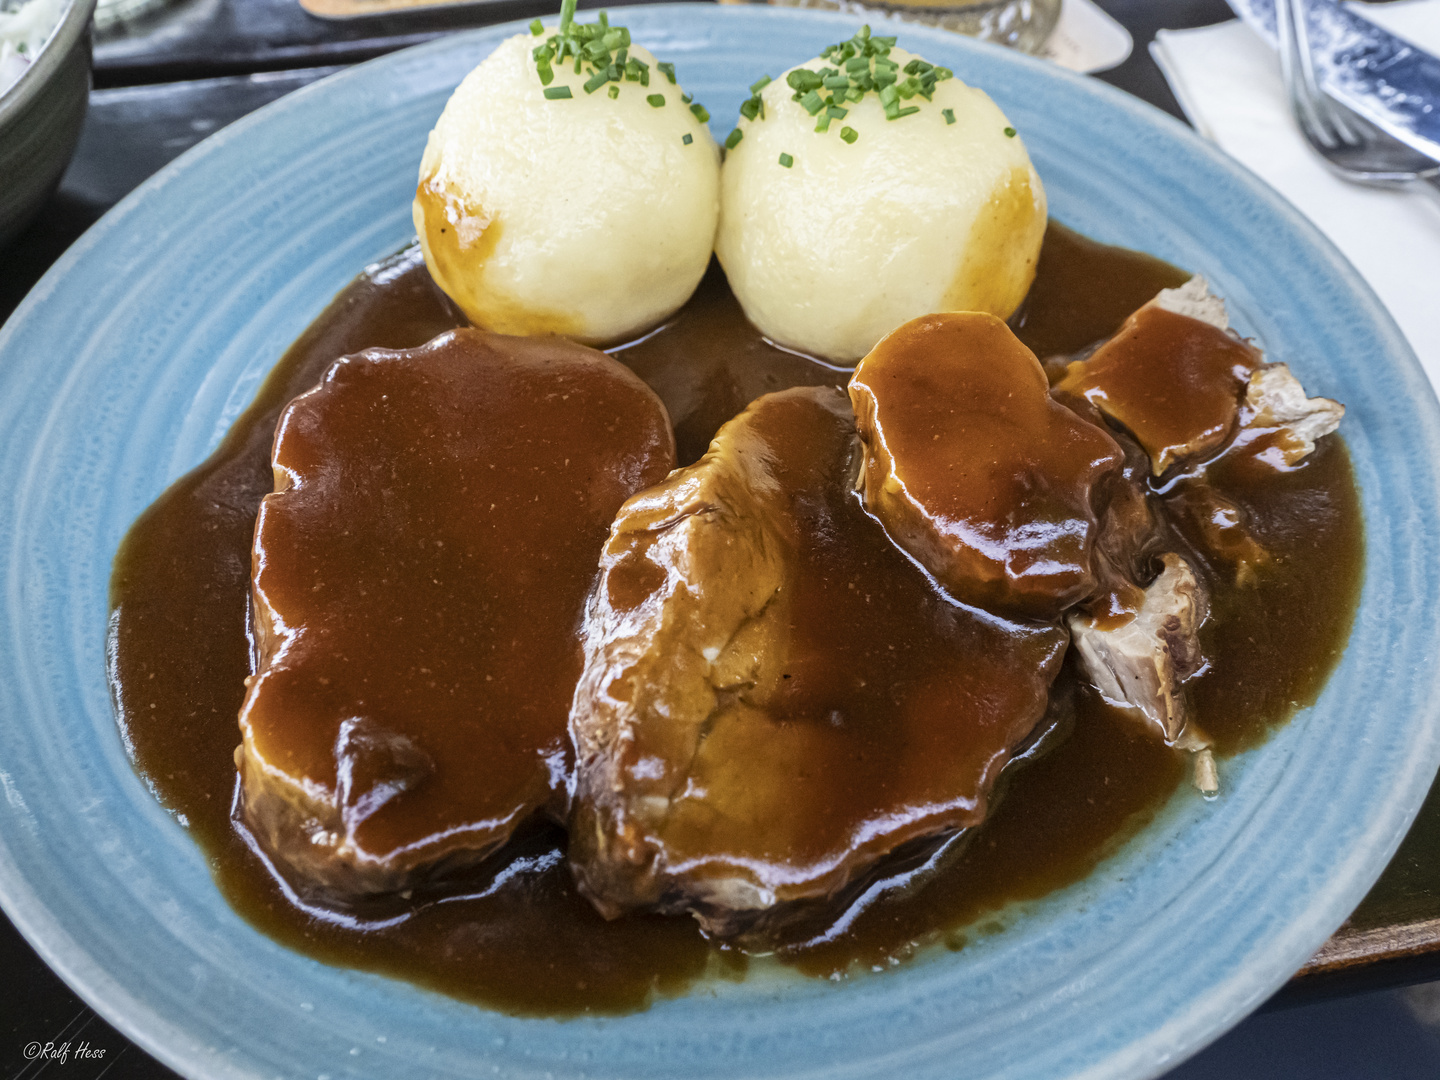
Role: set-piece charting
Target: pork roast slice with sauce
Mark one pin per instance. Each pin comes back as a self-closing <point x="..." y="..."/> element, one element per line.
<point x="977" y="471"/>
<point x="419" y="572"/>
<point x="1140" y="661"/>
<point x="1172" y="376"/>
<point x="973" y="468"/>
<point x="1188" y="389"/>
<point x="774" y="696"/>
<point x="1183" y="384"/>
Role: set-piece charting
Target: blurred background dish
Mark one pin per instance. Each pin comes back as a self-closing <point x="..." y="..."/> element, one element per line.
<point x="1020" y="24"/>
<point x="25" y="27"/>
<point x="110" y="13"/>
<point x="41" y="114"/>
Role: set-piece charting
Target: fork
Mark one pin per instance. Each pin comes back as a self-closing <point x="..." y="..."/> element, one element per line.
<point x="1354" y="149"/>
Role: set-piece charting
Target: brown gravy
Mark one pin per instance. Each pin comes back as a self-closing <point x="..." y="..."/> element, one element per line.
<point x="967" y="453"/>
<point x="1189" y="414"/>
<point x="415" y="604"/>
<point x="521" y="939"/>
<point x="850" y="707"/>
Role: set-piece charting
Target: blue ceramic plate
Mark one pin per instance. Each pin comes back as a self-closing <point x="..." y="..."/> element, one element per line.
<point x="133" y="355"/>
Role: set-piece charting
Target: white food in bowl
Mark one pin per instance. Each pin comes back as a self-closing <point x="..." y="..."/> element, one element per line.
<point x="24" y="30"/>
<point x="590" y="216"/>
<point x="916" y="215"/>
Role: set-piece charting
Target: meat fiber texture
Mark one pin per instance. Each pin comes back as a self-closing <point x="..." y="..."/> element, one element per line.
<point x="774" y="697"/>
<point x="1187" y="388"/>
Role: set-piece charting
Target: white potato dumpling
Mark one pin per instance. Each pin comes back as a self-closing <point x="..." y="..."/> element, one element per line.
<point x="592" y="216"/>
<point x="916" y="216"/>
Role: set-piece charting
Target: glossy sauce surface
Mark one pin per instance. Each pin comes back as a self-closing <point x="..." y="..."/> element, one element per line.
<point x="850" y="707"/>
<point x="975" y="469"/>
<point x="419" y="573"/>
<point x="1189" y="413"/>
<point x="520" y="938"/>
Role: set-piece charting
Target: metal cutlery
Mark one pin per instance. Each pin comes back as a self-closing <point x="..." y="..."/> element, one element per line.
<point x="1387" y="81"/>
<point x="1353" y="148"/>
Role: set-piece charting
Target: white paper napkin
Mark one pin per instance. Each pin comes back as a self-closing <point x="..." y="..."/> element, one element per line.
<point x="1228" y="82"/>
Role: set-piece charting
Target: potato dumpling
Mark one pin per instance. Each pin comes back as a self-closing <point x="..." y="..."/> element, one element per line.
<point x="591" y="215"/>
<point x="831" y="239"/>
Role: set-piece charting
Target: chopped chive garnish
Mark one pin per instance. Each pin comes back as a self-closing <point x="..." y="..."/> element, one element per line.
<point x="850" y="70"/>
<point x="760" y="84"/>
<point x="1009" y="133"/>
<point x="802" y="79"/>
<point x="687" y="138"/>
<point x="600" y="51"/>
<point x="733" y="139"/>
<point x="702" y="114"/>
<point x="750" y="108"/>
<point x="555" y="93"/>
<point x="949" y="115"/>
<point x="786" y="160"/>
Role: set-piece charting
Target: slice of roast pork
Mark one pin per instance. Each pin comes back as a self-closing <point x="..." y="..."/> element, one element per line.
<point x="774" y="696"/>
<point x="973" y="466"/>
<point x="1179" y="380"/>
<point x="418" y="575"/>
<point x="1186" y="388"/>
<point x="1140" y="661"/>
<point x="974" y="469"/>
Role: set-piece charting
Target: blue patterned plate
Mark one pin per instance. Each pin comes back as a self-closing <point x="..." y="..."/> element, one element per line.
<point x="128" y="361"/>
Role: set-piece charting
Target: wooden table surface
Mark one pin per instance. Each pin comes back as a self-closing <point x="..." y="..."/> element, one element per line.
<point x="164" y="83"/>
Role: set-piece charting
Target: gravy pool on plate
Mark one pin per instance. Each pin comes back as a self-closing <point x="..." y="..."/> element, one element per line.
<point x="522" y="938"/>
